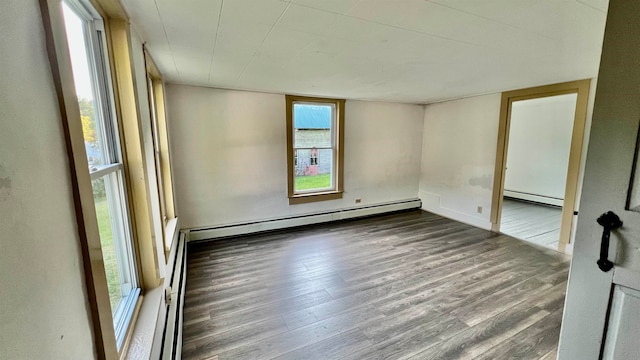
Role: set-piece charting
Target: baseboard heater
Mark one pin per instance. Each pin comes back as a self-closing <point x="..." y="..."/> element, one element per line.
<point x="172" y="337"/>
<point x="300" y="220"/>
<point x="535" y="198"/>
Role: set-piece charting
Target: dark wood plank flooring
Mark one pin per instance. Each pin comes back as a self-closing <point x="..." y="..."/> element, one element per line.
<point x="410" y="285"/>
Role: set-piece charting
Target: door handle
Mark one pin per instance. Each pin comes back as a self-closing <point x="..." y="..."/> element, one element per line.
<point x="609" y="221"/>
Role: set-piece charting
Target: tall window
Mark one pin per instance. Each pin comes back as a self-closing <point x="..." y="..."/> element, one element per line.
<point x="315" y="133"/>
<point x="87" y="49"/>
<point x="155" y="87"/>
<point x="156" y="149"/>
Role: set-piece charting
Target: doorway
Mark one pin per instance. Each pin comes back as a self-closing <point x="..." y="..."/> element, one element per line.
<point x="537" y="162"/>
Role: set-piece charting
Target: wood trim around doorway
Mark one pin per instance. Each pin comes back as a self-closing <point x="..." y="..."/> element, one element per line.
<point x="579" y="87"/>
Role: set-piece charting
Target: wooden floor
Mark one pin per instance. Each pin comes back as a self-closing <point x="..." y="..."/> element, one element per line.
<point x="535" y="223"/>
<point x="411" y="285"/>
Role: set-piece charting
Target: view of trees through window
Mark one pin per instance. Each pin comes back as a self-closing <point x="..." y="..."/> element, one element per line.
<point x="105" y="167"/>
<point x="91" y="143"/>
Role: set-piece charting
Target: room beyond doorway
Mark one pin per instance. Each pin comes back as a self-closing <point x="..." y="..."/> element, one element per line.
<point x="536" y="171"/>
<point x="538" y="160"/>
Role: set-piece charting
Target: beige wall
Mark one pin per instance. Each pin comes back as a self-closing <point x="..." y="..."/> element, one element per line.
<point x="458" y="158"/>
<point x="43" y="303"/>
<point x="229" y="155"/>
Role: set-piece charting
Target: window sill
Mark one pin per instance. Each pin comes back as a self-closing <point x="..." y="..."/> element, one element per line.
<point x="313" y="197"/>
<point x="141" y="341"/>
<point x="170" y="230"/>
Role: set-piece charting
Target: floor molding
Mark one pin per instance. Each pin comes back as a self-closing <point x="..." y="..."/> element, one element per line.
<point x="198" y="234"/>
<point x="538" y="199"/>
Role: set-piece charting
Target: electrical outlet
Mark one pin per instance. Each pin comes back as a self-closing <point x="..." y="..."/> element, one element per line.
<point x="358" y="201"/>
<point x="479" y="210"/>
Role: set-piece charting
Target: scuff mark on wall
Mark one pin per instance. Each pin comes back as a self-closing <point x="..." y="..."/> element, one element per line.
<point x="5" y="183"/>
<point x="484" y="181"/>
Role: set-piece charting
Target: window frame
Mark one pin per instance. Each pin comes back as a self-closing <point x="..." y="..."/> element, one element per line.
<point x="112" y="168"/>
<point x="338" y="151"/>
<point x="160" y="135"/>
<point x="119" y="63"/>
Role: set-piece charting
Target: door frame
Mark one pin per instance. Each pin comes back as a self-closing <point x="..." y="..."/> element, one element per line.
<point x="579" y="87"/>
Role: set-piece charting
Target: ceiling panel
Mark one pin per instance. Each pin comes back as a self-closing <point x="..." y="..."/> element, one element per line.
<point x="225" y="70"/>
<point x="284" y="44"/>
<point x="305" y="19"/>
<point x="560" y="20"/>
<point x="193" y="18"/>
<point x="337" y="6"/>
<point x="194" y="67"/>
<point x="444" y="22"/>
<point x="190" y="28"/>
<point x="264" y="12"/>
<point x="145" y="18"/>
<point x="402" y="50"/>
<point x="147" y="24"/>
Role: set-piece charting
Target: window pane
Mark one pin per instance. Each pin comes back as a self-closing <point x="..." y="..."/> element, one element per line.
<point x="313" y="140"/>
<point x="312" y="125"/>
<point x="80" y="64"/>
<point x="314" y="170"/>
<point x="110" y="232"/>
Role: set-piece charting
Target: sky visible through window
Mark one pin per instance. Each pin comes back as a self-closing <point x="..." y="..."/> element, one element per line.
<point x="77" y="50"/>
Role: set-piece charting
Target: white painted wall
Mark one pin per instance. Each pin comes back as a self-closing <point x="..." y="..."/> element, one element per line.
<point x="538" y="150"/>
<point x="229" y="155"/>
<point x="458" y="158"/>
<point x="44" y="309"/>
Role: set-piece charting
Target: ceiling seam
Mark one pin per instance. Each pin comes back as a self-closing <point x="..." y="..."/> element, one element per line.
<point x="417" y="102"/>
<point x="492" y="20"/>
<point x="215" y="41"/>
<point x="166" y="36"/>
<point x="261" y="43"/>
<point x="354" y="6"/>
<point x="389" y="25"/>
<point x="591" y="6"/>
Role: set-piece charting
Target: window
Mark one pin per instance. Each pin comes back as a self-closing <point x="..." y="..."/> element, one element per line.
<point x="156" y="149"/>
<point x="87" y="50"/>
<point x="315" y="133"/>
<point x="155" y="87"/>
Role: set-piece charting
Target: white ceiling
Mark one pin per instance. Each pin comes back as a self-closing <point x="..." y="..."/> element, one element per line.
<point x="415" y="51"/>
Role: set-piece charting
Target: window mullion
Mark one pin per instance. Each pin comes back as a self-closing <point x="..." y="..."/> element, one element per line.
<point x="99" y="171"/>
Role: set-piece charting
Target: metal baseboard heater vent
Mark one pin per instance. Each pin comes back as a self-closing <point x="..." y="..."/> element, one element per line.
<point x="301" y="220"/>
<point x="172" y="337"/>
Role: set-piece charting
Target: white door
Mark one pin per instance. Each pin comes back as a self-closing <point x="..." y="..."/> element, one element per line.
<point x="602" y="310"/>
